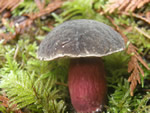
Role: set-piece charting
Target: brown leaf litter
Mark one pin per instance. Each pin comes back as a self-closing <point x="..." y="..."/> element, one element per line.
<point x="125" y="5"/>
<point x="133" y="65"/>
<point x="30" y="17"/>
<point x="6" y="104"/>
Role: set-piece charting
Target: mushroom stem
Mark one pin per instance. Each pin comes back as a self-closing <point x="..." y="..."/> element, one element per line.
<point x="87" y="84"/>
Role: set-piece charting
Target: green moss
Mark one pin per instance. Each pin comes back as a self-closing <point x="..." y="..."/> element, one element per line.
<point x="33" y="84"/>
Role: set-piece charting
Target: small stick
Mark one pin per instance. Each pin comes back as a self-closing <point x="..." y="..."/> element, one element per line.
<point x="142" y="32"/>
<point x="63" y="84"/>
<point x="137" y="16"/>
<point x="16" y="52"/>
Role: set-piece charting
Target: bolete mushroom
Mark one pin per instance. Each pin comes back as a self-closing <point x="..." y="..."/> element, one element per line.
<point x="84" y="42"/>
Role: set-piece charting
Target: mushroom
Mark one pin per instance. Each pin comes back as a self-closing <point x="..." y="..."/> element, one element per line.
<point x="84" y="42"/>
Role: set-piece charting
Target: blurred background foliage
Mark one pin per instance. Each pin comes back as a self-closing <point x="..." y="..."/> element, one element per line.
<point x="29" y="85"/>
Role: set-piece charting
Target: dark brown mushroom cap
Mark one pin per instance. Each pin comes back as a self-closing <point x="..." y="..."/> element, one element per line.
<point x="80" y="38"/>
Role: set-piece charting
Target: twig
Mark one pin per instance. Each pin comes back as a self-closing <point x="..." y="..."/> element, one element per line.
<point x="118" y="29"/>
<point x="142" y="32"/>
<point x="137" y="16"/>
<point x="16" y="52"/>
<point x="63" y="84"/>
<point x="147" y="90"/>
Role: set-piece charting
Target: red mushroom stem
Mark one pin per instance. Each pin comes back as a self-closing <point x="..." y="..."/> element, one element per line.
<point x="87" y="84"/>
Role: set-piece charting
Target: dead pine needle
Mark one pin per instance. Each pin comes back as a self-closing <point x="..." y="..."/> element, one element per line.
<point x="142" y="32"/>
<point x="147" y="20"/>
<point x="16" y="52"/>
